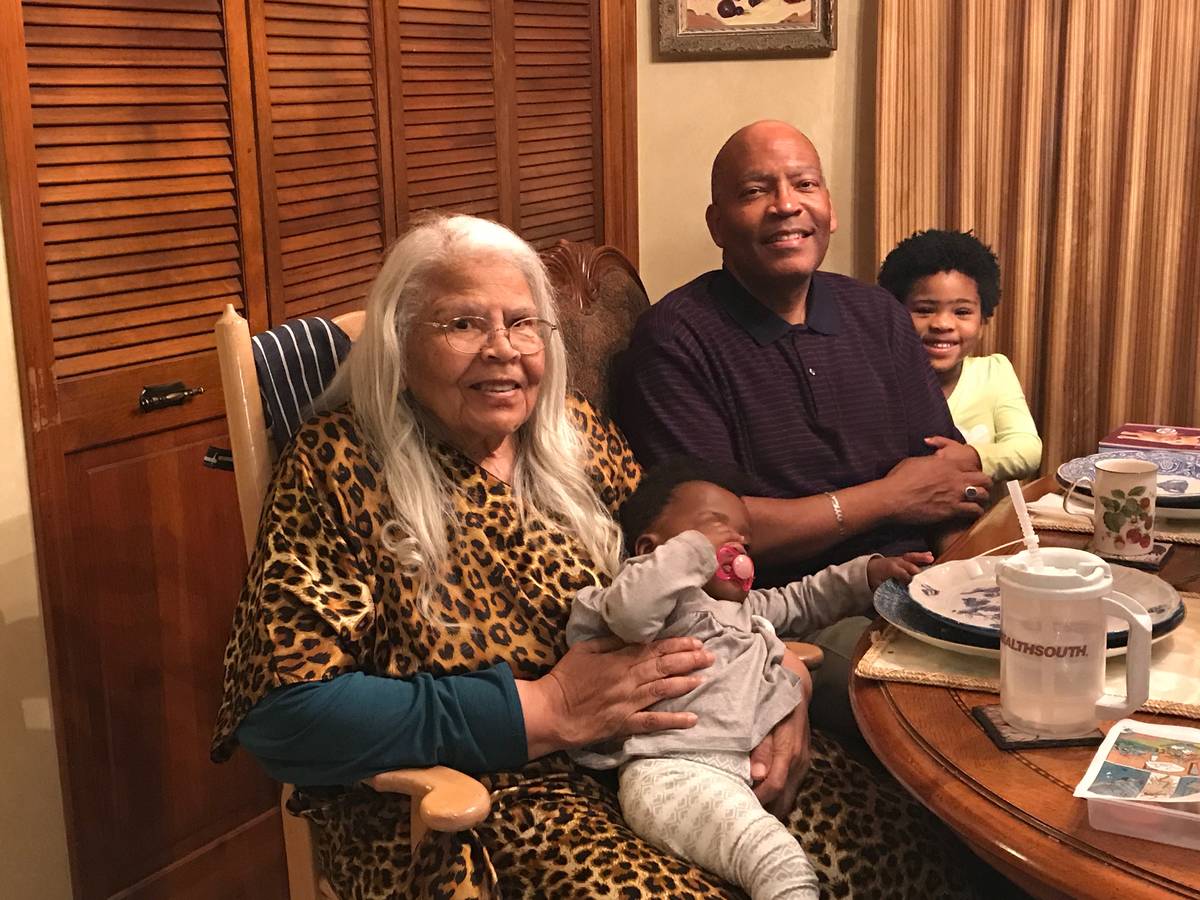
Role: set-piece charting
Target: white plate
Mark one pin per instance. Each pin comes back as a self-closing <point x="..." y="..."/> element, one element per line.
<point x="893" y="602"/>
<point x="964" y="593"/>
<point x="1178" y="473"/>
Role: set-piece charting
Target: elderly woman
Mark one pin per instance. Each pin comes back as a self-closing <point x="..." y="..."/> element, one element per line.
<point x="406" y="606"/>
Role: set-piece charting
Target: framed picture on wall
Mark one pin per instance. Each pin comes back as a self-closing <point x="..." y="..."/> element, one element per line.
<point x="712" y="29"/>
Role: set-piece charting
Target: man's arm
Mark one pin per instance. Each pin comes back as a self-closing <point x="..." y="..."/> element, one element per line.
<point x="921" y="491"/>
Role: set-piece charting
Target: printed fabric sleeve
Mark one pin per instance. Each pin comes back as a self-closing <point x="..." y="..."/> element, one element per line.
<point x="637" y="603"/>
<point x="608" y="460"/>
<point x="306" y="610"/>
<point x="817" y="600"/>
<point x="341" y="731"/>
<point x="1016" y="451"/>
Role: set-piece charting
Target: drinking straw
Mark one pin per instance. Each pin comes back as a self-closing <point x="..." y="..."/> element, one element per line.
<point x="1027" y="532"/>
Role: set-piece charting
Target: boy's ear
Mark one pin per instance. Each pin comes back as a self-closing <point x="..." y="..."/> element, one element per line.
<point x="645" y="544"/>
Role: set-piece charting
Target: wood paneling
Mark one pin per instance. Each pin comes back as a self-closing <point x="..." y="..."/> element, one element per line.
<point x="105" y="134"/>
<point x="131" y="205"/>
<point x="148" y="654"/>
<point x="558" y="120"/>
<point x="503" y="115"/>
<point x="448" y="73"/>
<point x="322" y="113"/>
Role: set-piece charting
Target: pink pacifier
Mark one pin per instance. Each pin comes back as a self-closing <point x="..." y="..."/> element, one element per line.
<point x="734" y="565"/>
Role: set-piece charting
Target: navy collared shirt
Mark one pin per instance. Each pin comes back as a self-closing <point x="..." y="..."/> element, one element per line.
<point x="802" y="409"/>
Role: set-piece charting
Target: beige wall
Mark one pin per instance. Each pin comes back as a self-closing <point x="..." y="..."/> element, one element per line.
<point x="686" y="110"/>
<point x="31" y="818"/>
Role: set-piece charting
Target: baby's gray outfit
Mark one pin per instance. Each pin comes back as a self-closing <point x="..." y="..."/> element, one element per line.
<point x="688" y="790"/>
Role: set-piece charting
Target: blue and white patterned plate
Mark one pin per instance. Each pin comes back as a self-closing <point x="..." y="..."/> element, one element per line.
<point x="893" y="602"/>
<point x="1178" y="474"/>
<point x="963" y="593"/>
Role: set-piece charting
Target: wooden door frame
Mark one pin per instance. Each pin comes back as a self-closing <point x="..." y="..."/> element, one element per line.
<point x="29" y="289"/>
<point x="619" y="145"/>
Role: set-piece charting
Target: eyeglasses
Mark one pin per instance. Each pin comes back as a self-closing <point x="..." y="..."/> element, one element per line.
<point x="470" y="334"/>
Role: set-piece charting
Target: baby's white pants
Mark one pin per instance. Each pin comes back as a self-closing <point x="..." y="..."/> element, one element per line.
<point x="710" y="817"/>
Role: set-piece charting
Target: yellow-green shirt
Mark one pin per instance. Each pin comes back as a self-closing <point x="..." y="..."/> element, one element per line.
<point x="989" y="408"/>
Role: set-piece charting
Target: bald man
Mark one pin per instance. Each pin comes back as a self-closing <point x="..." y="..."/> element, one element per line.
<point x="814" y="384"/>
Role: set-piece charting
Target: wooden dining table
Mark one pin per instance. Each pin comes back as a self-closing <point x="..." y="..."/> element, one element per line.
<point x="1015" y="809"/>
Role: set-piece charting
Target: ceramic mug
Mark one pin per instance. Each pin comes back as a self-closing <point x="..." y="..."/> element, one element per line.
<point x="1124" y="491"/>
<point x="1053" y="638"/>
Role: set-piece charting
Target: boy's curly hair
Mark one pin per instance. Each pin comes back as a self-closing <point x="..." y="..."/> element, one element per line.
<point x="929" y="252"/>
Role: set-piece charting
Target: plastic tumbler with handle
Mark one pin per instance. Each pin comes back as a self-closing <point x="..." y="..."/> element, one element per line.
<point x="1053" y="614"/>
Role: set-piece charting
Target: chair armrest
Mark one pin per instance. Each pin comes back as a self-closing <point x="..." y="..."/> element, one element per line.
<point x="445" y="799"/>
<point x="810" y="654"/>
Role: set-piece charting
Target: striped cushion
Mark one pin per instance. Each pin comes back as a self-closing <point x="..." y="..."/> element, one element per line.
<point x="295" y="362"/>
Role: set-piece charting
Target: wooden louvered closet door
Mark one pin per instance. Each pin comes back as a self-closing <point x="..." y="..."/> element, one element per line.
<point x="323" y="119"/>
<point x="558" y="121"/>
<point x="134" y="220"/>
<point x="159" y="159"/>
<point x="500" y="114"/>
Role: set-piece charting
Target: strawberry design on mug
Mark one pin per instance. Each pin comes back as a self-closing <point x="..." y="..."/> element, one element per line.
<point x="1130" y="517"/>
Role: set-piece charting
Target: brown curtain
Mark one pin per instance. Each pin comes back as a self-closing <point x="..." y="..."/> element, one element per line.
<point x="1065" y="133"/>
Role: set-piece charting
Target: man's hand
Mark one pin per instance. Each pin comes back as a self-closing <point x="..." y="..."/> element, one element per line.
<point x="778" y="765"/>
<point x="964" y="456"/>
<point x="902" y="568"/>
<point x="929" y="490"/>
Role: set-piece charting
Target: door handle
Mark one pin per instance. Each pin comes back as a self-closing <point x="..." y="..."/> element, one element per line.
<point x="160" y="396"/>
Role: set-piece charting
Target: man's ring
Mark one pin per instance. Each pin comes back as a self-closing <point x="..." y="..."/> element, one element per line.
<point x="971" y="492"/>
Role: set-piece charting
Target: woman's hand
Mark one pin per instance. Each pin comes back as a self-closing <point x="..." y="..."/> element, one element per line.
<point x="600" y="689"/>
<point x="778" y="765"/>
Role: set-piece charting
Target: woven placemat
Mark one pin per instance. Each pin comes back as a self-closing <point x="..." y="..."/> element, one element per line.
<point x="1048" y="523"/>
<point x="1177" y="531"/>
<point x="1174" y="672"/>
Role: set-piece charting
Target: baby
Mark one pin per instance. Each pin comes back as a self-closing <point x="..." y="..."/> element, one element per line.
<point x="689" y="791"/>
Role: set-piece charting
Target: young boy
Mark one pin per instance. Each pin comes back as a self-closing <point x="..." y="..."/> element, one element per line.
<point x="690" y="574"/>
<point x="950" y="283"/>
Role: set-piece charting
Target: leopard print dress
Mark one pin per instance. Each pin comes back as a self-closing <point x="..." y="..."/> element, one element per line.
<point x="323" y="598"/>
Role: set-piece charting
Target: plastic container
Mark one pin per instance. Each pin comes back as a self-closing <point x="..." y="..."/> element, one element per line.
<point x="1159" y="822"/>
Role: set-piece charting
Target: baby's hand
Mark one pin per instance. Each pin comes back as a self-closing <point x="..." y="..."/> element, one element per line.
<point x="902" y="568"/>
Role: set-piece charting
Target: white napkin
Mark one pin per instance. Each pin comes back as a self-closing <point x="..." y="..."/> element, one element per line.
<point x="1050" y="509"/>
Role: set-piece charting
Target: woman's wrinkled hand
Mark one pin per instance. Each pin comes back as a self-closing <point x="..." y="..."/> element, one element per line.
<point x="778" y="765"/>
<point x="600" y="690"/>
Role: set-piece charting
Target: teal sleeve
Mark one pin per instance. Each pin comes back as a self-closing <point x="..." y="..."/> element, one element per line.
<point x="356" y="725"/>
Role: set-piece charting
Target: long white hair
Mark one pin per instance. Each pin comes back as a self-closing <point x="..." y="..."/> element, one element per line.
<point x="549" y="479"/>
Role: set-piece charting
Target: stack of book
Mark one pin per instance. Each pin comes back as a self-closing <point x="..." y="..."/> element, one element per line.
<point x="1136" y="436"/>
